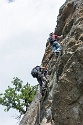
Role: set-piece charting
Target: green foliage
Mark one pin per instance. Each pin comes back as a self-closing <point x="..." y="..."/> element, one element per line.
<point x="19" y="97"/>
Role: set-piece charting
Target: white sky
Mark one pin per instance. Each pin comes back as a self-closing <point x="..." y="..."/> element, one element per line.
<point x="24" y="28"/>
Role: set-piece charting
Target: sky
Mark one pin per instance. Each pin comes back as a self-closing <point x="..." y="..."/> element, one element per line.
<point x="24" y="28"/>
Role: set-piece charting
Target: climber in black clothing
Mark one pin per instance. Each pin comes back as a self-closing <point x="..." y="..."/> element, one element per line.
<point x="40" y="73"/>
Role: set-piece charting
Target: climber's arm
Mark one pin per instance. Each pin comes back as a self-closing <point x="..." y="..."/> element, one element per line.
<point x="60" y="37"/>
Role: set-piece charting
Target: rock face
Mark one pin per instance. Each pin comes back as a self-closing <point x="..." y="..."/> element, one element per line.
<point x="63" y="104"/>
<point x="67" y="108"/>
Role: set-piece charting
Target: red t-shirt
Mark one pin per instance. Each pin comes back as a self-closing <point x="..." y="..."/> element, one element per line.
<point x="54" y="36"/>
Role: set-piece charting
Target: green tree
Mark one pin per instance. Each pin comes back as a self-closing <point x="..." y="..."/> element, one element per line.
<point x="18" y="97"/>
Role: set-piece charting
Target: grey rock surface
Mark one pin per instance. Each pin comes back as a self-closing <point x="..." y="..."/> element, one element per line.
<point x="63" y="104"/>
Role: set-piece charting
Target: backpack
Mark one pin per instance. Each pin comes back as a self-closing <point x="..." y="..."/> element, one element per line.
<point x="35" y="71"/>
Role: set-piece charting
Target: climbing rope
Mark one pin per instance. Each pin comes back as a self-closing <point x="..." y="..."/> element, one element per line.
<point x="39" y="112"/>
<point x="40" y="104"/>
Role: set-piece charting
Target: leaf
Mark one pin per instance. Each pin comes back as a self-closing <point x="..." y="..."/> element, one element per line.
<point x="19" y="96"/>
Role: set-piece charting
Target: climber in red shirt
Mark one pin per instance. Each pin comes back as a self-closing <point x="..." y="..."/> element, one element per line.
<point x="54" y="43"/>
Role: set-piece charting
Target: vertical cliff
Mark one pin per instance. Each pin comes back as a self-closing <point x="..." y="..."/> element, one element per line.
<point x="63" y="104"/>
<point x="67" y="108"/>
